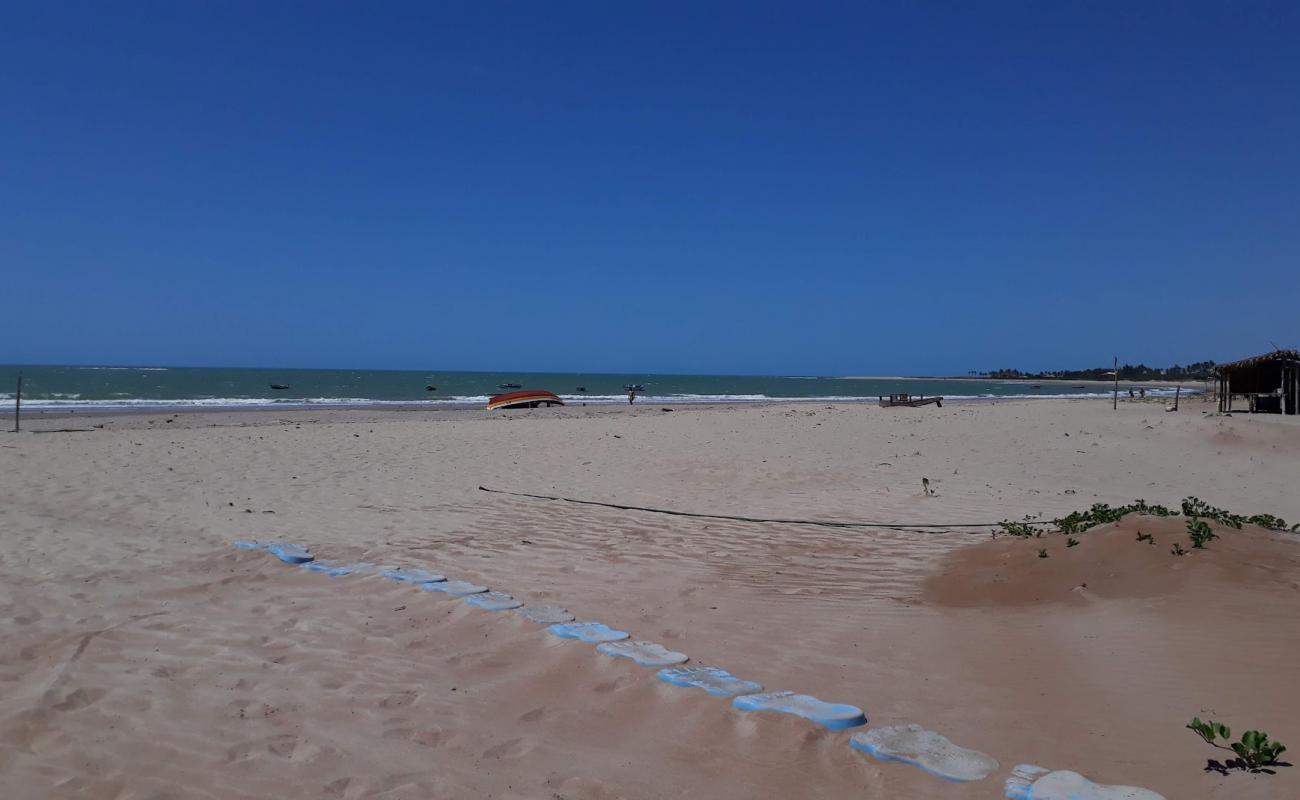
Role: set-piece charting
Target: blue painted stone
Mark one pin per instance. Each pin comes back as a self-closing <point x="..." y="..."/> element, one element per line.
<point x="592" y="632"/>
<point x="454" y="588"/>
<point x="647" y="654"/>
<point x="290" y="553"/>
<point x="714" y="680"/>
<point x="335" y="569"/>
<point x="1032" y="782"/>
<point x="413" y="575"/>
<point x="493" y="601"/>
<point x="545" y="615"/>
<point x="835" y="716"/>
<point x="929" y="750"/>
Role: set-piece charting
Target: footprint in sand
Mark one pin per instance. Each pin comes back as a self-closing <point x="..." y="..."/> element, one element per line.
<point x="283" y="746"/>
<point x="27" y="616"/>
<point x="167" y="672"/>
<point x="399" y="700"/>
<point x="532" y="716"/>
<point x="514" y="748"/>
<point x="426" y="737"/>
<point x="579" y="788"/>
<point x="31" y="732"/>
<point x="79" y="698"/>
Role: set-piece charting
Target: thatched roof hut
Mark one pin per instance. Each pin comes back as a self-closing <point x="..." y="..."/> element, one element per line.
<point x="1269" y="383"/>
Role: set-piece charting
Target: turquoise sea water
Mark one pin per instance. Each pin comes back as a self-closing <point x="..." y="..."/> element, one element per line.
<point x="63" y="387"/>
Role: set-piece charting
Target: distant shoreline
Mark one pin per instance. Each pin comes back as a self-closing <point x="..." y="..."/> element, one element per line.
<point x="1029" y="381"/>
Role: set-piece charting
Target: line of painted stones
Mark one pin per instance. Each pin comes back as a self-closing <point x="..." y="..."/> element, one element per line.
<point x="911" y="744"/>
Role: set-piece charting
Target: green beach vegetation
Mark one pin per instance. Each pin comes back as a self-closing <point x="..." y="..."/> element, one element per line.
<point x="1195" y="509"/>
<point x="1254" y="750"/>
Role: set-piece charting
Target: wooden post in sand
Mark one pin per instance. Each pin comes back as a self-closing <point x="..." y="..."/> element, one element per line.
<point x="18" y="401"/>
<point x="1114" y="400"/>
<point x="1177" y="391"/>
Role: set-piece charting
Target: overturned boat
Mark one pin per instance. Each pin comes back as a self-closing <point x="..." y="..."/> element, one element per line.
<point x="526" y="398"/>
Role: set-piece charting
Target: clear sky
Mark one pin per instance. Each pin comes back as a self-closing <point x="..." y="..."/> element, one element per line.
<point x="806" y="188"/>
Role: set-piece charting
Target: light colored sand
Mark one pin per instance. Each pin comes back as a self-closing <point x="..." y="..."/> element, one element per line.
<point x="143" y="655"/>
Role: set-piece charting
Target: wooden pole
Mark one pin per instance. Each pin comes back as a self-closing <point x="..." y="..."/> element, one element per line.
<point x="1114" y="400"/>
<point x="1178" y="390"/>
<point x="1286" y="380"/>
<point x="18" y="402"/>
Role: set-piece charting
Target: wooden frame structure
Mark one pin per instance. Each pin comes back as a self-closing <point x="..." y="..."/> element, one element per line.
<point x="1269" y="383"/>
<point x="908" y="400"/>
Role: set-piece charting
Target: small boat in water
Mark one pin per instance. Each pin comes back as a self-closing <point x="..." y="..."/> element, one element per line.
<point x="634" y="387"/>
<point x="510" y="386"/>
<point x="528" y="398"/>
<point x="909" y="400"/>
<point x="431" y="388"/>
<point x="279" y="387"/>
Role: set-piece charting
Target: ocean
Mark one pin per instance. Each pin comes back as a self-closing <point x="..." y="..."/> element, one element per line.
<point x="123" y="388"/>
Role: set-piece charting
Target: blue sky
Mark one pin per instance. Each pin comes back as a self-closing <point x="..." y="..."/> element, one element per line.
<point x="696" y="187"/>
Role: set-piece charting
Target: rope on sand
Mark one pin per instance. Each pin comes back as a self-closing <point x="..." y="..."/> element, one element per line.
<point x="777" y="520"/>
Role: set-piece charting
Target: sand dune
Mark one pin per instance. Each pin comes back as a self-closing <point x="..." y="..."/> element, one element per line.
<point x="144" y="656"/>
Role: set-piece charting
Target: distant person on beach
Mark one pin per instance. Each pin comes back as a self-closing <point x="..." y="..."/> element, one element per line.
<point x="631" y="395"/>
<point x="1130" y="394"/>
<point x="1143" y="392"/>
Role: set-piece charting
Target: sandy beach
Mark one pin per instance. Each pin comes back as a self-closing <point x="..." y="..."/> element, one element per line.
<point x="144" y="656"/>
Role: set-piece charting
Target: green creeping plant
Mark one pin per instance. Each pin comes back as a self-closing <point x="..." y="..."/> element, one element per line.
<point x="1200" y="533"/>
<point x="1022" y="529"/>
<point x="1254" y="749"/>
<point x="1178" y="550"/>
<point x="1210" y="730"/>
<point x="1070" y="541"/>
<point x="1269" y="521"/>
<point x="1145" y="537"/>
<point x="1042" y="553"/>
<point x="1196" y="507"/>
<point x="1102" y="513"/>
